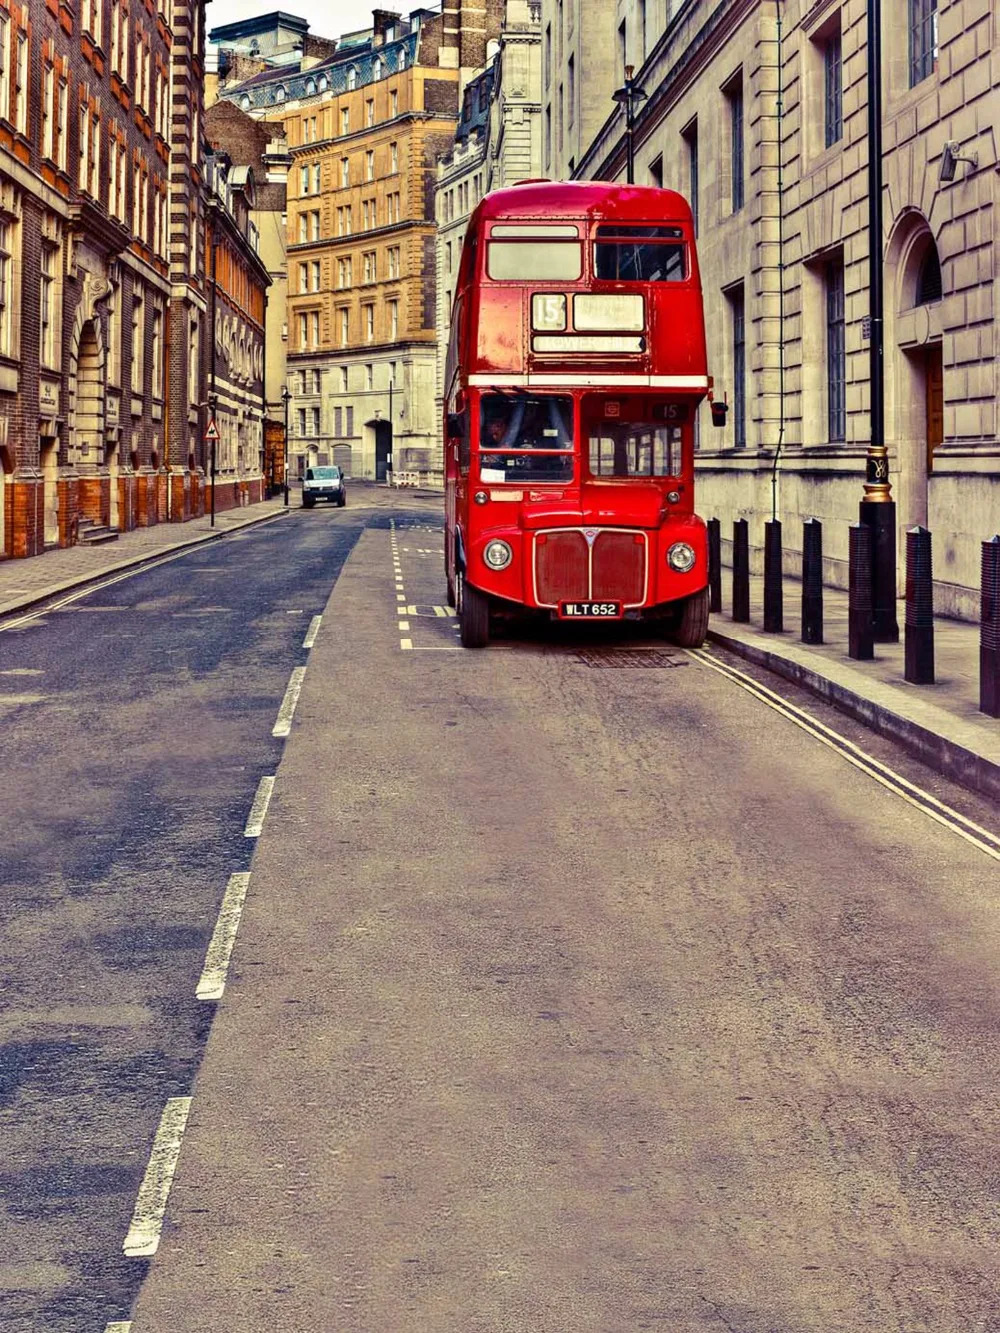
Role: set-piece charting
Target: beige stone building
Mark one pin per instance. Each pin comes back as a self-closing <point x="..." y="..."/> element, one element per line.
<point x="766" y="133"/>
<point x="581" y="68"/>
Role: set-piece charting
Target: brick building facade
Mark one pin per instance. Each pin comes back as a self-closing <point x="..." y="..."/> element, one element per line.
<point x="765" y="130"/>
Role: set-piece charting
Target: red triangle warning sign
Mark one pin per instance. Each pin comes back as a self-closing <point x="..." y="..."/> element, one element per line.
<point x="212" y="433"/>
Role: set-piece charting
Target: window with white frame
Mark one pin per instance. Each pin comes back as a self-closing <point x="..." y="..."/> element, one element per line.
<point x="345" y="120"/>
<point x="345" y="326"/>
<point x="303" y="180"/>
<point x="368" y="261"/>
<point x="303" y="278"/>
<point x="314" y="327"/>
<point x="9" y="236"/>
<point x="394" y="260"/>
<point x="393" y="320"/>
<point x="303" y="333"/>
<point x="345" y="172"/>
<point x="314" y="421"/>
<point x="138" y="339"/>
<point x="194" y="353"/>
<point x="62" y="127"/>
<point x="4" y="66"/>
<point x="314" y="275"/>
<point x="370" y="165"/>
<point x="343" y="382"/>
<point x="314" y="218"/>
<point x="114" y="360"/>
<point x="393" y="103"/>
<point x="47" y="303"/>
<point x="21" y="84"/>
<point x="156" y="351"/>
<point x="369" y="318"/>
<point x="48" y="112"/>
<point x="370" y="111"/>
<point x="303" y="227"/>
<point x="394" y="157"/>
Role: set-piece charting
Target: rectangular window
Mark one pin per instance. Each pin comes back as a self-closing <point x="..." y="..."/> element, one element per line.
<point x="369" y="315"/>
<point x="303" y="180"/>
<point x="350" y="421"/>
<point x="570" y="90"/>
<point x="6" y="287"/>
<point x="834" y="90"/>
<point x="394" y="157"/>
<point x="368" y="261"/>
<point x="156" y="352"/>
<point x="836" y="361"/>
<point x="737" y="313"/>
<point x="314" y="275"/>
<point x="394" y="260"/>
<point x="394" y="103"/>
<point x="303" y="278"/>
<point x="370" y="111"/>
<point x="345" y="121"/>
<point x="370" y="165"/>
<point x="345" y="172"/>
<point x="314" y="327"/>
<point x="923" y="26"/>
<point x="343" y="379"/>
<point x="62" y="152"/>
<point x="639" y="254"/>
<point x="47" y="304"/>
<point x="393" y="320"/>
<point x="314" y="218"/>
<point x="369" y="376"/>
<point x="338" y="421"/>
<point x="48" y="112"/>
<point x="316" y="178"/>
<point x="303" y="227"/>
<point x="300" y="415"/>
<point x="138" y="340"/>
<point x="4" y="67"/>
<point x="317" y="381"/>
<point x="734" y="96"/>
<point x="691" y="143"/>
<point x="21" y="84"/>
<point x="551" y="261"/>
<point x="345" y="327"/>
<point x="314" y="421"/>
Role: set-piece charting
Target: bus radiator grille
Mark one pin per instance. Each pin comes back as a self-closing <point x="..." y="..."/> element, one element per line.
<point x="610" y="568"/>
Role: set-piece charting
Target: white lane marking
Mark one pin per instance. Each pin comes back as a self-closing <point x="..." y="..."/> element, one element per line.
<point x="887" y="777"/>
<point x="312" y="631"/>
<point x="258" y="811"/>
<point x="151" y="1203"/>
<point x="437" y="648"/>
<point x="36" y="616"/>
<point x="283" y="726"/>
<point x="406" y="645"/>
<point x="119" y="1326"/>
<point x="400" y="597"/>
<point x="404" y="625"/>
<point x="213" y="974"/>
<point x="437" y="612"/>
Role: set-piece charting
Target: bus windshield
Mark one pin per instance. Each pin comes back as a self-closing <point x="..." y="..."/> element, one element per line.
<point x="634" y="449"/>
<point x="526" y="438"/>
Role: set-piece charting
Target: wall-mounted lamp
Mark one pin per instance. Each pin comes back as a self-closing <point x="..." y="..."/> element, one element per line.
<point x="950" y="159"/>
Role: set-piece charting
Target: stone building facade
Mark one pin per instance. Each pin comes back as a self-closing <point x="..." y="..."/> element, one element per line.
<point x="364" y="129"/>
<point x="581" y="67"/>
<point x="497" y="143"/>
<point x="99" y="150"/>
<point x="233" y="359"/>
<point x="765" y="130"/>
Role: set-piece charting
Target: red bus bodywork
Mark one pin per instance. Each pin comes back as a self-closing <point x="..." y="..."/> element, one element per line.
<point x="569" y="416"/>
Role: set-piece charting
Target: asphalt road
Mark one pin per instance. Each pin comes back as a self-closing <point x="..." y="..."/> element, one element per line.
<point x="573" y="991"/>
<point x="135" y="724"/>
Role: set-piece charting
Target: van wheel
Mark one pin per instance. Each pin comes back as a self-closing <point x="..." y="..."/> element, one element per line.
<point x="693" y="623"/>
<point x="473" y="615"/>
<point x="341" y="502"/>
<point x="308" y="504"/>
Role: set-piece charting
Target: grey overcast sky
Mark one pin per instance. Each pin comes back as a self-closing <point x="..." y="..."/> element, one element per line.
<point x="326" y="20"/>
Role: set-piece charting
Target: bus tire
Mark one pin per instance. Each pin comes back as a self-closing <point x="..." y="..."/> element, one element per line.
<point x="692" y="626"/>
<point x="449" y="589"/>
<point x="473" y="615"/>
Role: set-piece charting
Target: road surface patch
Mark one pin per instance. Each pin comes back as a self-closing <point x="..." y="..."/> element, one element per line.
<point x="143" y="1237"/>
<point x="987" y="842"/>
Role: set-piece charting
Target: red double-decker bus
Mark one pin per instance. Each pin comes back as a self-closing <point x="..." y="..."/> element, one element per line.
<point x="575" y="364"/>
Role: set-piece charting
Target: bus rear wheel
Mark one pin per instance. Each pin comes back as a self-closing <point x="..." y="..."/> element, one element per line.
<point x="473" y="615"/>
<point x="692" y="625"/>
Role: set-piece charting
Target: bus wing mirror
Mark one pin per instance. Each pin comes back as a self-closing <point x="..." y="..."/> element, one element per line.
<point x="455" y="425"/>
<point x="719" y="412"/>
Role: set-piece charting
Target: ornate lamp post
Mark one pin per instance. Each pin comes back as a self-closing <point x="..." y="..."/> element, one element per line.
<point x="629" y="95"/>
<point x="878" y="509"/>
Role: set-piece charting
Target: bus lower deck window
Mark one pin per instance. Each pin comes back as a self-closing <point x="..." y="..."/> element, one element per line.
<point x="526" y="438"/>
<point x="634" y="449"/>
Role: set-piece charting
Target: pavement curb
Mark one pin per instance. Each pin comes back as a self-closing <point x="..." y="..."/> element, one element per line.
<point x="947" y="757"/>
<point x="135" y="562"/>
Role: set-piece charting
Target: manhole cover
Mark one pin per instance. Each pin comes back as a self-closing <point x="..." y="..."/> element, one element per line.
<point x="629" y="657"/>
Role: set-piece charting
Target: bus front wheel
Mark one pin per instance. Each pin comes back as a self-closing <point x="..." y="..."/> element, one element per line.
<point x="692" y="625"/>
<point x="473" y="615"/>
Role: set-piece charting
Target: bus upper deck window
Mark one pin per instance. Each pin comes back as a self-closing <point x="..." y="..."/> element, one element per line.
<point x="534" y="261"/>
<point x="640" y="254"/>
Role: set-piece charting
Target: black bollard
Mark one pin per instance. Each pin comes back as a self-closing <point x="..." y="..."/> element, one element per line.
<point x="774" y="606"/>
<point x="741" y="571"/>
<point x="714" y="565"/>
<point x="880" y="518"/>
<point x="861" y="641"/>
<point x="989" y="630"/>
<point x="919" y="646"/>
<point x="812" y="581"/>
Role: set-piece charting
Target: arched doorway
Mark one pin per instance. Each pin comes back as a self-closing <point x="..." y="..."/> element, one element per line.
<point x="913" y="342"/>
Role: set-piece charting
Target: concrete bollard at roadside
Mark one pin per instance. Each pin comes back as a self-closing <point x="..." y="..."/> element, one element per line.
<point x="714" y="565"/>
<point x="741" y="571"/>
<point x="989" y="630"/>
<point x="918" y="648"/>
<point x="774" y="604"/>
<point x="812" y="581"/>
<point x="860" y="631"/>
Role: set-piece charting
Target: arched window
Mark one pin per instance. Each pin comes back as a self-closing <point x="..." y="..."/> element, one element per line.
<point x="352" y="78"/>
<point x="401" y="58"/>
<point x="279" y="93"/>
<point x="245" y="102"/>
<point x="929" y="277"/>
<point x="376" y="70"/>
<point x="310" y="87"/>
<point x="324" y="83"/>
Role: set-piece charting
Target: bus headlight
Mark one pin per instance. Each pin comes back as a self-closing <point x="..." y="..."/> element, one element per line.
<point x="681" y="557"/>
<point x="498" y="555"/>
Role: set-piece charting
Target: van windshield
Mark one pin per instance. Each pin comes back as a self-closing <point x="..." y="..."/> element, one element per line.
<point x="322" y="474"/>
